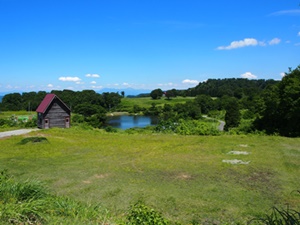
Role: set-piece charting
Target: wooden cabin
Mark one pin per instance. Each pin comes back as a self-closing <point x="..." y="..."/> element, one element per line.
<point x="53" y="112"/>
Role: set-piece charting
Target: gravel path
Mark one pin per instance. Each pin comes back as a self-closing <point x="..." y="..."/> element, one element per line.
<point x="15" y="132"/>
<point x="221" y="125"/>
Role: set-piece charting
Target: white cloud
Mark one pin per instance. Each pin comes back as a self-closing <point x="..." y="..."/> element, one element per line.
<point x="274" y="41"/>
<point x="97" y="87"/>
<point x="126" y="84"/>
<point x="92" y="75"/>
<point x="282" y="74"/>
<point x="299" y="33"/>
<point x="74" y="79"/>
<point x="187" y="81"/>
<point x="240" y="44"/>
<point x="93" y="82"/>
<point x="248" y="75"/>
<point x="50" y="85"/>
<point x="248" y="42"/>
<point x="294" y="12"/>
<point x="170" y="84"/>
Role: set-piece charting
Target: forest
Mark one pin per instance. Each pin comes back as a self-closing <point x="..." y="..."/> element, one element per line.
<point x="268" y="106"/>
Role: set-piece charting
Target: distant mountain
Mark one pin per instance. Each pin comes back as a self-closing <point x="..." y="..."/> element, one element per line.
<point x="127" y="91"/>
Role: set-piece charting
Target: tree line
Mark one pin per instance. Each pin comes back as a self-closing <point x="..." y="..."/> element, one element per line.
<point x="29" y="101"/>
<point x="269" y="106"/>
<point x="232" y="87"/>
<point x="88" y="106"/>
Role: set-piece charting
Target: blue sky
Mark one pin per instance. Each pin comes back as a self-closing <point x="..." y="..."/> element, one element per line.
<point x="144" y="44"/>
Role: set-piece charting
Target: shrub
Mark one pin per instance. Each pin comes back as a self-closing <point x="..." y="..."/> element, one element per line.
<point x="141" y="214"/>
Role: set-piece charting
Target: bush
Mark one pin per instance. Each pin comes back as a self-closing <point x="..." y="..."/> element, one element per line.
<point x="188" y="127"/>
<point x="141" y="214"/>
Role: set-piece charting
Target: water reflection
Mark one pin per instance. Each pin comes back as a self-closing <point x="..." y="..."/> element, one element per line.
<point x="125" y="122"/>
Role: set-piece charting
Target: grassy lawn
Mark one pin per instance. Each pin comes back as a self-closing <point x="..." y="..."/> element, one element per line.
<point x="146" y="102"/>
<point x="181" y="176"/>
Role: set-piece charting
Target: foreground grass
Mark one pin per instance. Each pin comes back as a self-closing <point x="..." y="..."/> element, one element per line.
<point x="181" y="176"/>
<point x="29" y="202"/>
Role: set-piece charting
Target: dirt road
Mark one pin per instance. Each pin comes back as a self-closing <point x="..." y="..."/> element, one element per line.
<point x="15" y="132"/>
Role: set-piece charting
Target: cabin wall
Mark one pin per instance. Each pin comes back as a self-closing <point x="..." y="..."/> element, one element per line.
<point x="56" y="115"/>
<point x="40" y="120"/>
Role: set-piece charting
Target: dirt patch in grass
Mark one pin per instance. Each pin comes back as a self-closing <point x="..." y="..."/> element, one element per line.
<point x="259" y="180"/>
<point x="101" y="176"/>
<point x="184" y="176"/>
<point x="87" y="181"/>
<point x="96" y="176"/>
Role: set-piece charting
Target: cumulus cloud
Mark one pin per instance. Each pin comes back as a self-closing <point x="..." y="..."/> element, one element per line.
<point x="73" y="79"/>
<point x="240" y="44"/>
<point x="187" y="81"/>
<point x="282" y="74"/>
<point x="248" y="42"/>
<point x="93" y="82"/>
<point x="248" y="75"/>
<point x="274" y="41"/>
<point x="299" y="33"/>
<point x="92" y="75"/>
<point x="50" y="85"/>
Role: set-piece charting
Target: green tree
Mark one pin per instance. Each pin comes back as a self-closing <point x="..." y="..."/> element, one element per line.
<point x="281" y="112"/>
<point x="289" y="103"/>
<point x="205" y="102"/>
<point x="269" y="117"/>
<point x="232" y="115"/>
<point x="111" y="100"/>
<point x="12" y="102"/>
<point x="156" y="94"/>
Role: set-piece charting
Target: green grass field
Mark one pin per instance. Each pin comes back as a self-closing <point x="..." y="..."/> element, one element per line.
<point x="181" y="176"/>
<point x="146" y="102"/>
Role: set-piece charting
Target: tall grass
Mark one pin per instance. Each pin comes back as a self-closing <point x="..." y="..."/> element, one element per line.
<point x="28" y="202"/>
<point x="279" y="216"/>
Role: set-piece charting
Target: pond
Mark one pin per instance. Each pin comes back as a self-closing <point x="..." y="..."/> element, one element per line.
<point x="125" y="122"/>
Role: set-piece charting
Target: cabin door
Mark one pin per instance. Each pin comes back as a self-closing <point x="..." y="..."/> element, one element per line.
<point x="46" y="123"/>
<point x="67" y="122"/>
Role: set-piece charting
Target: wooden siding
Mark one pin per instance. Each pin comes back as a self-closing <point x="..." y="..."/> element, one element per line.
<point x="56" y="114"/>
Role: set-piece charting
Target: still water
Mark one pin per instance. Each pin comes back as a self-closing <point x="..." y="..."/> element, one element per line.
<point x="125" y="122"/>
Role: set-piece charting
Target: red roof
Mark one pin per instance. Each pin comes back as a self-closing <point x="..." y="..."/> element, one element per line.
<point x="46" y="102"/>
